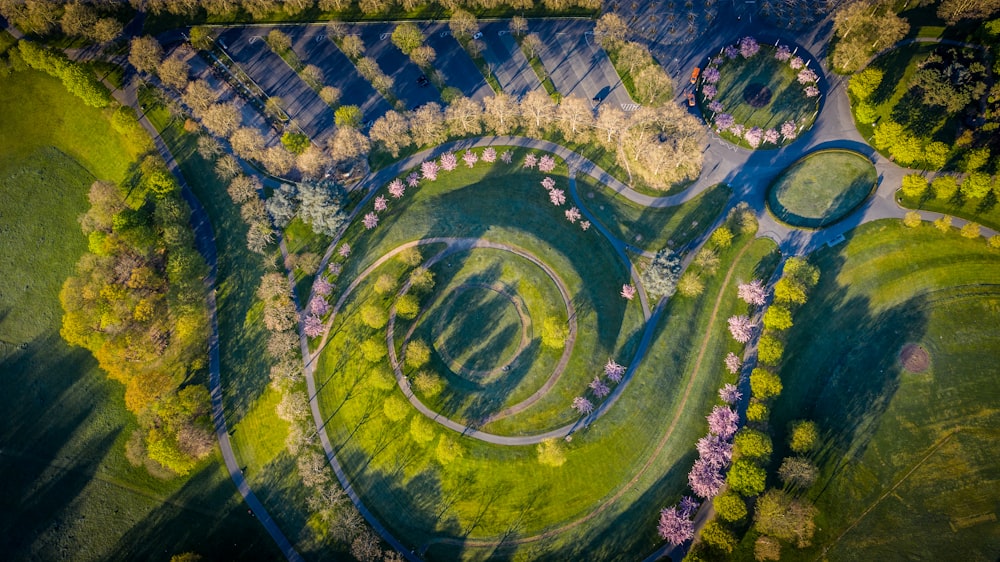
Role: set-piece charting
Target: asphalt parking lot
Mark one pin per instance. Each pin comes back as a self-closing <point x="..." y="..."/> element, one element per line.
<point x="454" y="63"/>
<point x="508" y="62"/>
<point x="393" y="62"/>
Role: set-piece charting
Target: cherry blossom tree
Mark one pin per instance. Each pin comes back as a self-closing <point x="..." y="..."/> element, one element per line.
<point x="715" y="450"/>
<point x="470" y="158"/>
<point x="599" y="388"/>
<point x="741" y="328"/>
<point x="628" y="292"/>
<point x="788" y="130"/>
<point x="715" y="106"/>
<point x="413" y="180"/>
<point x="807" y="76"/>
<point x="490" y="155"/>
<point x="546" y="163"/>
<point x="614" y="371"/>
<point x="753" y="292"/>
<point x="771" y="136"/>
<point x="313" y="326"/>
<point x="737" y="129"/>
<point x="507" y="157"/>
<point x="429" y="170"/>
<point x="448" y="161"/>
<point x="370" y="221"/>
<point x="730" y="394"/>
<point x="396" y="188"/>
<point x="381" y="203"/>
<point x="733" y="363"/>
<point x="530" y="161"/>
<point x="548" y="183"/>
<point x="674" y="527"/>
<point x="582" y="405"/>
<point x="783" y="53"/>
<point x="723" y="421"/>
<point x="796" y="63"/>
<point x="557" y="196"/>
<point x="731" y="51"/>
<point x="573" y="214"/>
<point x="753" y="136"/>
<point x="709" y="91"/>
<point x="688" y="506"/>
<point x="705" y="479"/>
<point x="584" y="225"/>
<point x="345" y="250"/>
<point x="322" y="286"/>
<point x="711" y="75"/>
<point x="318" y="306"/>
<point x="749" y="47"/>
<point x="724" y="121"/>
<point x="811" y="91"/>
<point x="334" y="268"/>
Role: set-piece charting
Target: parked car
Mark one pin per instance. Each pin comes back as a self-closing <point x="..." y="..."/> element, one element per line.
<point x="694" y="74"/>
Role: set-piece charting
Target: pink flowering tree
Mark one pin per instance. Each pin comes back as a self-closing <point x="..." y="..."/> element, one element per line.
<point x="546" y="163"/>
<point x="723" y="421"/>
<point x="796" y="63"/>
<point x="573" y="214"/>
<point x="733" y="363"/>
<point x="413" y="180"/>
<point x="807" y="76"/>
<point x="582" y="405"/>
<point x="749" y="47"/>
<point x="789" y="130"/>
<point x="448" y="161"/>
<point x="334" y="268"/>
<point x="688" y="506"/>
<point x="730" y="394"/>
<point x="711" y="75"/>
<point x="753" y="136"/>
<point x="381" y="203"/>
<point x="628" y="292"/>
<point x="396" y="188"/>
<point x="715" y="450"/>
<point x="724" y="121"/>
<point x="709" y="91"/>
<point x="370" y="221"/>
<point x="741" y="328"/>
<point x="811" y="91"/>
<point x="344" y="250"/>
<point x="318" y="306"/>
<point x="731" y="51"/>
<point x="599" y="388"/>
<point x="313" y="326"/>
<point x="548" y="183"/>
<point x="705" y="479"/>
<point x="429" y="170"/>
<point x="772" y="136"/>
<point x="614" y="371"/>
<point x="557" y="197"/>
<point x="674" y="527"/>
<point x="715" y="106"/>
<point x="507" y="157"/>
<point x="754" y="292"/>
<point x="783" y="53"/>
<point x="490" y="155"/>
<point x="584" y="225"/>
<point x="470" y="158"/>
<point x="530" y="161"/>
<point x="322" y="287"/>
<point x="737" y="129"/>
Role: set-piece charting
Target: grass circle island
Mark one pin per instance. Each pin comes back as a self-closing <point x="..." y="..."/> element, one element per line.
<point x="821" y="188"/>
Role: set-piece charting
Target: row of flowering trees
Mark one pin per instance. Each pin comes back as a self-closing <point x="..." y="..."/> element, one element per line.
<point x="613" y="372"/>
<point x="724" y="121"/>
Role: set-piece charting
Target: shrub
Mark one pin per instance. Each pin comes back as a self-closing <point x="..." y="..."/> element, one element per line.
<point x="418" y="354"/>
<point x="385" y="284"/>
<point x="764" y="384"/>
<point x="395" y="408"/>
<point x="944" y="187"/>
<point x="690" y="285"/>
<point x="943" y="224"/>
<point x="407" y="306"/>
<point x="803" y="436"/>
<point x="756" y="411"/>
<point x="970" y="230"/>
<point x="914" y="185"/>
<point x="777" y="318"/>
<point x="730" y="507"/>
<point x="373" y="316"/>
<point x="912" y="219"/>
<point x="752" y="443"/>
<point x="780" y="515"/>
<point x="422" y="429"/>
<point x="769" y="350"/>
<point x="550" y="453"/>
<point x="746" y="478"/>
<point x="721" y="238"/>
<point x="428" y="383"/>
<point x="718" y="536"/>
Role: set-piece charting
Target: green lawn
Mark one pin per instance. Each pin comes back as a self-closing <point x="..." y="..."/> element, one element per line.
<point x="917" y="450"/>
<point x="652" y="228"/>
<point x="787" y="100"/>
<point x="984" y="211"/>
<point x="69" y="492"/>
<point x="821" y="188"/>
<point x="457" y="507"/>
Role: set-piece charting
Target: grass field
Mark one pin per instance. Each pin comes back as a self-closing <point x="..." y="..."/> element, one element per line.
<point x="651" y="228"/>
<point x="908" y="460"/>
<point x="461" y="506"/>
<point x="68" y="491"/>
<point x="984" y="211"/>
<point x="786" y="100"/>
<point x="821" y="188"/>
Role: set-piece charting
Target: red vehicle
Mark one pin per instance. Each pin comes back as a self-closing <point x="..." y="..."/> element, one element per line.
<point x="694" y="74"/>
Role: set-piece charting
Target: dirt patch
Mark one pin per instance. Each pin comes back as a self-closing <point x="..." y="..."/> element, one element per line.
<point x="914" y="358"/>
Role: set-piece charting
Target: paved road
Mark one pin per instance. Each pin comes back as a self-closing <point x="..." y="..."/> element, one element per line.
<point x="455" y="63"/>
<point x="576" y="64"/>
<point x="393" y="62"/>
<point x="312" y="47"/>
<point x="507" y="60"/>
<point x="247" y="47"/>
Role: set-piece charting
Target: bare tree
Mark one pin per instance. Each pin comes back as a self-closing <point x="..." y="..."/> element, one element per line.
<point x="464" y="116"/>
<point x="537" y="111"/>
<point x="391" y="131"/>
<point x="500" y="113"/>
<point x="463" y="24"/>
<point x="222" y="119"/>
<point x="199" y="95"/>
<point x="610" y="31"/>
<point x="174" y="73"/>
<point x="353" y="46"/>
<point x="532" y="43"/>
<point x="347" y="144"/>
<point x="518" y="25"/>
<point x="575" y="118"/>
<point x="145" y="54"/>
<point x="427" y="125"/>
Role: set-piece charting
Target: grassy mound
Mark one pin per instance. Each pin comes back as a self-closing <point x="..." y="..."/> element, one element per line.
<point x="821" y="188"/>
<point x="908" y="460"/>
